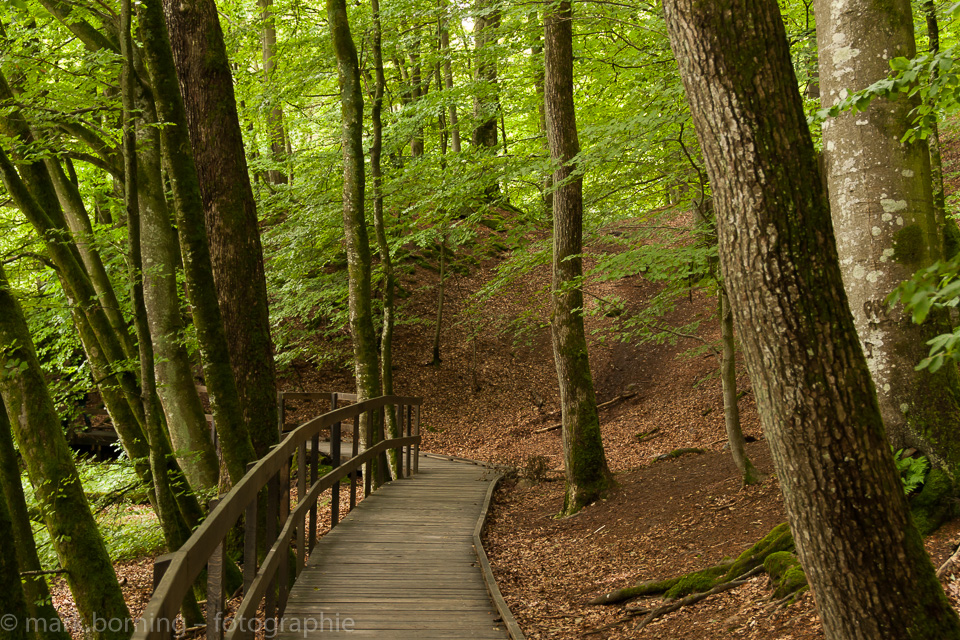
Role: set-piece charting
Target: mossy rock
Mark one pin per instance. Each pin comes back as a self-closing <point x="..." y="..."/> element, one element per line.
<point x="935" y="504"/>
<point x="778" y="563"/>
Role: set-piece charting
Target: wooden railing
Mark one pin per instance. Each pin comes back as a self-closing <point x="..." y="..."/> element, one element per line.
<point x="175" y="574"/>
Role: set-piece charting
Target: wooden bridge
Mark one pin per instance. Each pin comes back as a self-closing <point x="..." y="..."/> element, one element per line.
<point x="404" y="563"/>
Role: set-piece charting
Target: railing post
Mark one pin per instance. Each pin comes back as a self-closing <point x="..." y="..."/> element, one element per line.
<point x="368" y="465"/>
<point x="283" y="571"/>
<point x="314" y="472"/>
<point x="416" y="447"/>
<point x="354" y="452"/>
<point x="281" y="414"/>
<point x="383" y="470"/>
<point x="409" y="432"/>
<point x="301" y="496"/>
<point x="397" y="411"/>
<point x="215" y="599"/>
<point x="164" y="627"/>
<point x="335" y="489"/>
<point x="273" y="513"/>
<point x="250" y="540"/>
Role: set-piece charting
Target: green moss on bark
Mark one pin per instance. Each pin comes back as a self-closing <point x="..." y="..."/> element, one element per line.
<point x="935" y="503"/>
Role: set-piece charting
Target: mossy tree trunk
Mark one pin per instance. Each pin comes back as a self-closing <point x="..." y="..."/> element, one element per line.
<point x="366" y="361"/>
<point x="486" y="101"/>
<point x="383" y="246"/>
<point x="236" y="254"/>
<point x="12" y="600"/>
<point x="185" y="417"/>
<point x="862" y="555"/>
<point x="585" y="462"/>
<point x="438" y="324"/>
<point x="56" y="483"/>
<point x="885" y="224"/>
<point x="235" y="442"/>
<point x="39" y="605"/>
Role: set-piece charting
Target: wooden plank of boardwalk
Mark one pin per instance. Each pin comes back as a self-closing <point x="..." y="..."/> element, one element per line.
<point x="401" y="565"/>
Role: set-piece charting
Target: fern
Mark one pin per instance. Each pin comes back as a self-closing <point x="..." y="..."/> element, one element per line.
<point x="913" y="471"/>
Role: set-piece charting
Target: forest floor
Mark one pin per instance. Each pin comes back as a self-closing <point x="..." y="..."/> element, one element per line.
<point x="494" y="397"/>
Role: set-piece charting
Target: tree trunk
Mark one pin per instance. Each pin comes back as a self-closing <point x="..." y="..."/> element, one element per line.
<point x="448" y="77"/>
<point x="731" y="411"/>
<point x="547" y="181"/>
<point x="235" y="443"/>
<point x="885" y="224"/>
<point x="12" y="600"/>
<point x="366" y="364"/>
<point x="376" y="149"/>
<point x="274" y="121"/>
<point x="440" y="299"/>
<point x="588" y="477"/>
<point x="185" y="416"/>
<point x="54" y="477"/>
<point x="231" y="215"/>
<point x="486" y="103"/>
<point x="951" y="233"/>
<point x="861" y="553"/>
<point x="35" y="591"/>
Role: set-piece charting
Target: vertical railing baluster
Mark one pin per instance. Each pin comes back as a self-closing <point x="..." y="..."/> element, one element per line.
<point x="273" y="512"/>
<point x="250" y="540"/>
<point x="301" y="496"/>
<point x="281" y="413"/>
<point x="283" y="570"/>
<point x="383" y="470"/>
<point x="409" y="433"/>
<point x="314" y="472"/>
<point x="354" y="452"/>
<point x="368" y="465"/>
<point x="416" y="452"/>
<point x="164" y="627"/>
<point x="397" y="411"/>
<point x="215" y="598"/>
<point x="335" y="490"/>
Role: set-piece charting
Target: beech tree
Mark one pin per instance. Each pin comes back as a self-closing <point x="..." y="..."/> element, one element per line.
<point x="885" y="221"/>
<point x="862" y="555"/>
<point x="588" y="477"/>
<point x="53" y="474"/>
<point x="233" y="234"/>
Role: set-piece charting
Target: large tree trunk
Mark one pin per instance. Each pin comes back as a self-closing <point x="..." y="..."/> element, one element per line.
<point x="235" y="443"/>
<point x="586" y="466"/>
<point x="862" y="555"/>
<point x="231" y="214"/>
<point x="36" y="593"/>
<point x="54" y="477"/>
<point x="886" y="229"/>
<point x="366" y="362"/>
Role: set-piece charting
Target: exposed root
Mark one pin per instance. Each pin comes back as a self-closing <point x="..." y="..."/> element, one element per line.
<point x="696" y="597"/>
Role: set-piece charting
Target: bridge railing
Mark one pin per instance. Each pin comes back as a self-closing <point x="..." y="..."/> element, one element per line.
<point x="267" y="582"/>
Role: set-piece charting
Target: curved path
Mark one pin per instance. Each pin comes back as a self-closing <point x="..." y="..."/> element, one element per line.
<point x="402" y="564"/>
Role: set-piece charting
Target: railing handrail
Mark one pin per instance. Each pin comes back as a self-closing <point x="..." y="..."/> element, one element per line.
<point x="186" y="564"/>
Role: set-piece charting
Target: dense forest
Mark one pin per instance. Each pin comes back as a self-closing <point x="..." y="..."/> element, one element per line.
<point x="205" y="204"/>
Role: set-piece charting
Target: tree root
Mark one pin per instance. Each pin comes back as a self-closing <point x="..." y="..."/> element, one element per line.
<point x="696" y="597"/>
<point x="773" y="554"/>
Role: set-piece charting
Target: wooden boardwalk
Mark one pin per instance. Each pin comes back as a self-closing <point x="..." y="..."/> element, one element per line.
<point x="401" y="565"/>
